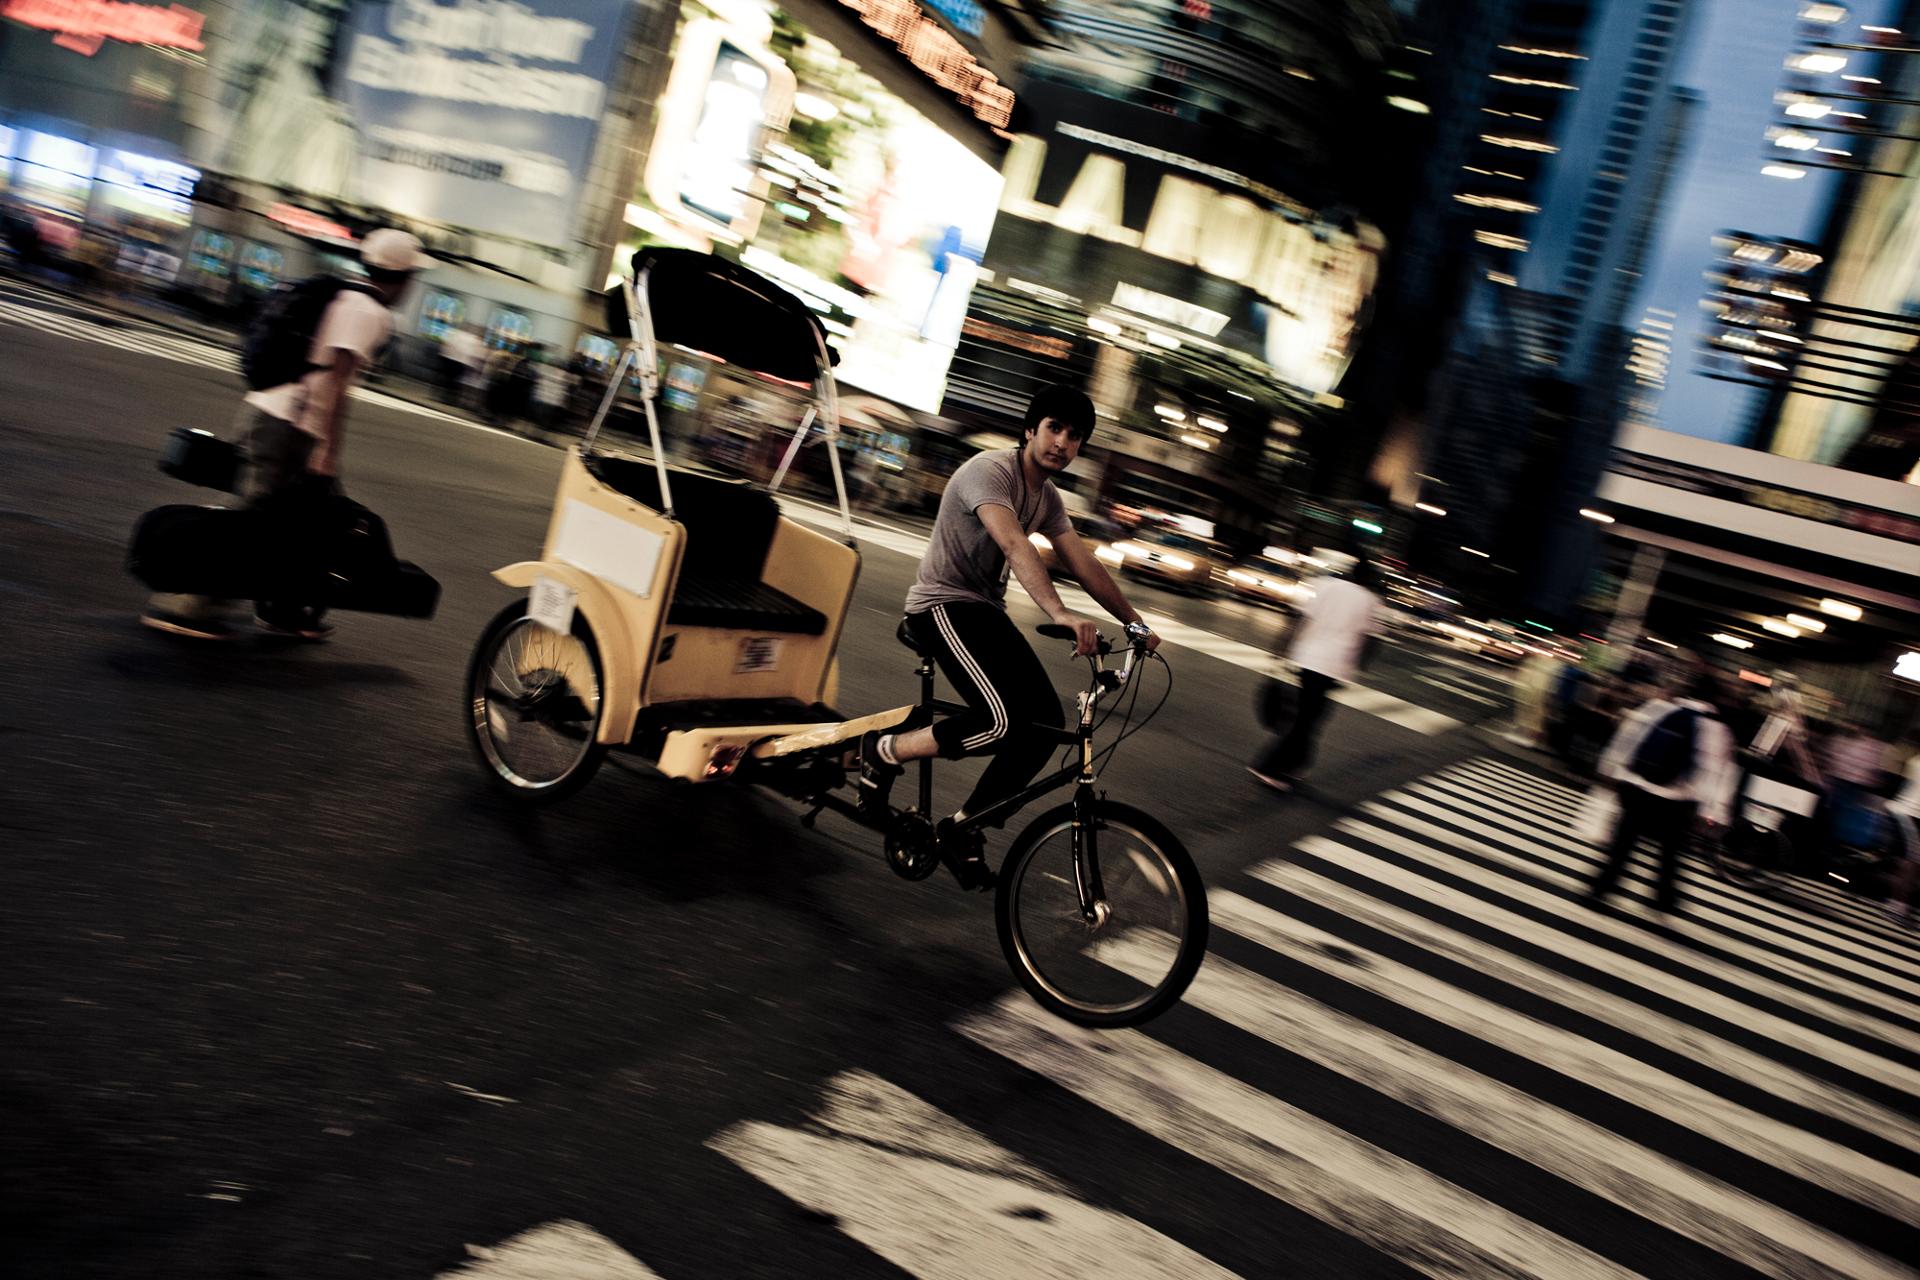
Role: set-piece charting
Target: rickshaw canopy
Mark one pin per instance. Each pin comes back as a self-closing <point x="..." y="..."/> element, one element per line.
<point x="725" y="310"/>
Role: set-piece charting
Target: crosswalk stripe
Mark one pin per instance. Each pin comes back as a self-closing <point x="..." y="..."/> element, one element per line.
<point x="1674" y="1035"/>
<point x="1658" y="981"/>
<point x="1387" y="1202"/>
<point x="1861" y="918"/>
<point x="1703" y="899"/>
<point x="1706" y="896"/>
<point x="886" y="1165"/>
<point x="1787" y="1147"/>
<point x="1568" y="1146"/>
<point x="554" y="1251"/>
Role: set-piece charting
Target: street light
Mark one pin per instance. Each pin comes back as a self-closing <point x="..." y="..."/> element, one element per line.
<point x="1805" y="623"/>
<point x="1841" y="609"/>
<point x="1474" y="552"/>
<point x="1599" y="517"/>
<point x="1780" y="628"/>
<point x="1732" y="642"/>
<point x="1429" y="508"/>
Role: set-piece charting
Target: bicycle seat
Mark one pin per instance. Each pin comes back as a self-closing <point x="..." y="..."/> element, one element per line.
<point x="906" y="637"/>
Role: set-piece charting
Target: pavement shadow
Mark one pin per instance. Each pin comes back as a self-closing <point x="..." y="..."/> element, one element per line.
<point x="239" y="664"/>
<point x="672" y="841"/>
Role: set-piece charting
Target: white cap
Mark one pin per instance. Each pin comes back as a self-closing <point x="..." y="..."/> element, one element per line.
<point x="390" y="249"/>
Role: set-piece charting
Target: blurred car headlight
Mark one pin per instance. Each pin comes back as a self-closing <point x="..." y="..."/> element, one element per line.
<point x="1130" y="549"/>
<point x="1111" y="555"/>
<point x="1040" y="541"/>
<point x="1241" y="575"/>
<point x="1177" y="562"/>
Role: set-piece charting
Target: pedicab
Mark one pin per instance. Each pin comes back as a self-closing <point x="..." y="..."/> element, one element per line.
<point x="682" y="618"/>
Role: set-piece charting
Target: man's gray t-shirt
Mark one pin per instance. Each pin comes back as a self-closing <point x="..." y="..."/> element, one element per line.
<point x="962" y="561"/>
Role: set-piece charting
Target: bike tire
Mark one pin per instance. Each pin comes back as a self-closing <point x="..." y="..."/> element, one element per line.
<point x="486" y="741"/>
<point x="1050" y="989"/>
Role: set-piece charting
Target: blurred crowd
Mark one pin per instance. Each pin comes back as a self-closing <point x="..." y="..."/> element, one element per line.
<point x="1781" y="732"/>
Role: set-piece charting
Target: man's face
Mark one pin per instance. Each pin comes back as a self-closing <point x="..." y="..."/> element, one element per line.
<point x="1051" y="446"/>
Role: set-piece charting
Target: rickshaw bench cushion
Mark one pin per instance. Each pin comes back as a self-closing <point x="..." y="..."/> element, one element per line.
<point x="741" y="604"/>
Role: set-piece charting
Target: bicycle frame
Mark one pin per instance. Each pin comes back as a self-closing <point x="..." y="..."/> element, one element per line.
<point x="1086" y="861"/>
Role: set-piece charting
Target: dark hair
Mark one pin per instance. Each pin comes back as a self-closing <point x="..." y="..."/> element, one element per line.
<point x="1066" y="405"/>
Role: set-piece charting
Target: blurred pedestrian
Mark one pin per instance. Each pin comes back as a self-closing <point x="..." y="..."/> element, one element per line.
<point x="1853" y="767"/>
<point x="1904" y="812"/>
<point x="1335" y="636"/>
<point x="295" y="432"/>
<point x="551" y="388"/>
<point x="1671" y="766"/>
<point x="461" y="352"/>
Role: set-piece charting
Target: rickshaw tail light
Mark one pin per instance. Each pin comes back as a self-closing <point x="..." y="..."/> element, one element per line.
<point x="724" y="761"/>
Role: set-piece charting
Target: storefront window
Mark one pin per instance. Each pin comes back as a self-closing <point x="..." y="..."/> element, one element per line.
<point x="260" y="267"/>
<point x="136" y="186"/>
<point x="509" y="328"/>
<point x="210" y="260"/>
<point x="54" y="171"/>
<point x="601" y="351"/>
<point x="6" y="158"/>
<point x="441" y="311"/>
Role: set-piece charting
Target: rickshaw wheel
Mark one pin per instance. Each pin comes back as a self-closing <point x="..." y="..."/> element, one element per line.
<point x="535" y="700"/>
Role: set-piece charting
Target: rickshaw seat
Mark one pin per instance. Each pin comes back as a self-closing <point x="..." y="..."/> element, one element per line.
<point x="729" y="528"/>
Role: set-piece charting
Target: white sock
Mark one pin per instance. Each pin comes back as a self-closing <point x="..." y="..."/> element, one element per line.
<point x="884" y="749"/>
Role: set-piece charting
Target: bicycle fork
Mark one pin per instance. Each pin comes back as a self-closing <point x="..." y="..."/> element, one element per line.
<point x="1094" y="908"/>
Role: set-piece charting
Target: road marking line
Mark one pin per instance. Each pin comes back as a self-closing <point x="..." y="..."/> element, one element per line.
<point x="1573" y="873"/>
<point x="1865" y="919"/>
<point x="1662" y="1030"/>
<point x="1379" y="1198"/>
<point x="1784" y="1146"/>
<point x="1708" y="896"/>
<point x="1689" y="994"/>
<point x="942" y="1201"/>
<point x="555" y="1251"/>
<point x="1568" y="1146"/>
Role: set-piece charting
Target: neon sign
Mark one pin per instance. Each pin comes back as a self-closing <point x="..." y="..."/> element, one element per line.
<point x="944" y="60"/>
<point x="84" y="25"/>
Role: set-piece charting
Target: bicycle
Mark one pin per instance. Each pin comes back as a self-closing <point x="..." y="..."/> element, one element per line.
<point x="1099" y="931"/>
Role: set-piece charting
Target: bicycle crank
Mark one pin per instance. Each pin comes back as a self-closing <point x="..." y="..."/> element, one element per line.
<point x="910" y="849"/>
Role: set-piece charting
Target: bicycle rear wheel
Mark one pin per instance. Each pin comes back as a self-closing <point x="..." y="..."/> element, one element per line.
<point x="1149" y="935"/>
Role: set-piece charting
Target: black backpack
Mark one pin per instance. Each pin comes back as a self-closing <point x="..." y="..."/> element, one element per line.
<point x="275" y="349"/>
<point x="1666" y="753"/>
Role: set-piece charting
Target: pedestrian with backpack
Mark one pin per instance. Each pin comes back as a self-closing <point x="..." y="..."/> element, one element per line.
<point x="1671" y="765"/>
<point x="305" y="350"/>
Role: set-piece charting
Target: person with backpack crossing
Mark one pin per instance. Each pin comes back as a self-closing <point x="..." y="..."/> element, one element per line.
<point x="1671" y="764"/>
<point x="304" y="351"/>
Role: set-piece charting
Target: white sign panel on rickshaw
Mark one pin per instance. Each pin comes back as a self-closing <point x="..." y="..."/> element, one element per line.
<point x="620" y="554"/>
<point x="550" y="604"/>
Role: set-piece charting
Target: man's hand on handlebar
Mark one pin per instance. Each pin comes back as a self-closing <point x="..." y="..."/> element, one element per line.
<point x="1086" y="636"/>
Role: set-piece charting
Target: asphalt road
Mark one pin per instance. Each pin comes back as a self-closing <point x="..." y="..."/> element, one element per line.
<point x="289" y="993"/>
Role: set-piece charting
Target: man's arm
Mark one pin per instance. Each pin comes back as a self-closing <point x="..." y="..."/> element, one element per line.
<point x="1025" y="563"/>
<point x="332" y="397"/>
<point x="1091" y="574"/>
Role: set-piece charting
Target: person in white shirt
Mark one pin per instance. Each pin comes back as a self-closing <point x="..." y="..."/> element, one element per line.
<point x="461" y="352"/>
<point x="1688" y="749"/>
<point x="1332" y="639"/>
<point x="295" y="431"/>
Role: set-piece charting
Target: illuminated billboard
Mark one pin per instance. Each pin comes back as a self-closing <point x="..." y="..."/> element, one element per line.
<point x="1137" y="228"/>
<point x="471" y="114"/>
<point x="772" y="145"/>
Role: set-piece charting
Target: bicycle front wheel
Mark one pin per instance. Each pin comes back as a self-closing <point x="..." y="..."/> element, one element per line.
<point x="1134" y="956"/>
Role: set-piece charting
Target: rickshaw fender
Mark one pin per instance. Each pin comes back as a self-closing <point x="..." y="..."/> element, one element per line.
<point x="610" y="633"/>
